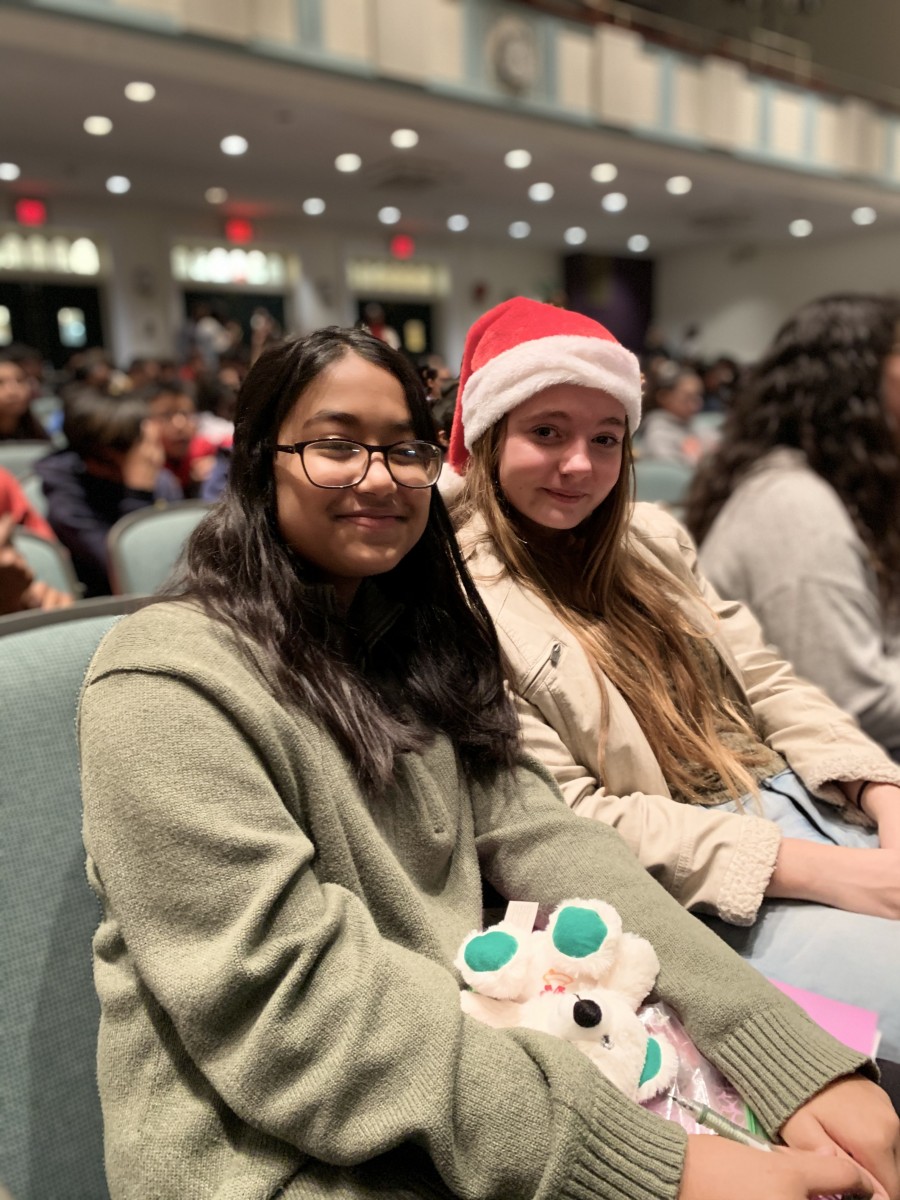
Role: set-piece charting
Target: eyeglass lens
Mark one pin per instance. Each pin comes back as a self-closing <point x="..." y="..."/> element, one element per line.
<point x="335" y="463"/>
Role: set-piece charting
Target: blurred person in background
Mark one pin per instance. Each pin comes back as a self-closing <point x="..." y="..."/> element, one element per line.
<point x="798" y="510"/>
<point x="17" y="422"/>
<point x="19" y="590"/>
<point x="114" y="464"/>
<point x="668" y="433"/>
<point x="143" y="372"/>
<point x="15" y="504"/>
<point x="189" y="455"/>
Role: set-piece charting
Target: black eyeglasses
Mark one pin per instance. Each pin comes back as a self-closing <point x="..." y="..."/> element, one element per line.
<point x="338" y="463"/>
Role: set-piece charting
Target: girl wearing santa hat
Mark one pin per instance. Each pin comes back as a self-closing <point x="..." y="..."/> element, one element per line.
<point x="656" y="704"/>
<point x="293" y="787"/>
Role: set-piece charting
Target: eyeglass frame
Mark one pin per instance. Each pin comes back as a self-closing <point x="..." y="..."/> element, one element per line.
<point x="299" y="449"/>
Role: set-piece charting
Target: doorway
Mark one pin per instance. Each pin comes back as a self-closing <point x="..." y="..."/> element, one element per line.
<point x="58" y="319"/>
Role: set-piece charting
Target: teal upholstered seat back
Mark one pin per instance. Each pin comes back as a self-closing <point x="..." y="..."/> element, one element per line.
<point x="50" y="1123"/>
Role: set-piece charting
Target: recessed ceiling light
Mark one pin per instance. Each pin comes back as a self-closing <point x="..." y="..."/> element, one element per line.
<point x="637" y="243"/>
<point x="517" y="160"/>
<point x="519" y="229"/>
<point x="800" y="228"/>
<point x="389" y="215"/>
<point x="864" y="215"/>
<point x="457" y="223"/>
<point x="139" y="92"/>
<point x="313" y="207"/>
<point x="215" y="195"/>
<point x="575" y="235"/>
<point x="679" y="185"/>
<point x="234" y="145"/>
<point x="348" y="163"/>
<point x="98" y="126"/>
<point x="9" y="171"/>
<point x="118" y="185"/>
<point x="614" y="202"/>
<point x="404" y="139"/>
<point x="604" y="172"/>
<point x="541" y="192"/>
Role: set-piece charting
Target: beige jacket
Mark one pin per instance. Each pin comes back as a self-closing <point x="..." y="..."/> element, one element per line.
<point x="710" y="860"/>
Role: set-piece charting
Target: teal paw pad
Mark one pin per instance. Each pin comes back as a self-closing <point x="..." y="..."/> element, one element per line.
<point x="579" y="932"/>
<point x="490" y="951"/>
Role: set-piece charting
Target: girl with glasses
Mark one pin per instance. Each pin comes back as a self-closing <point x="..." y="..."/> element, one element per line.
<point x="295" y="783"/>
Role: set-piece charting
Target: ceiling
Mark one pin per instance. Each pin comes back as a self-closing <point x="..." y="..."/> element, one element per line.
<point x="54" y="72"/>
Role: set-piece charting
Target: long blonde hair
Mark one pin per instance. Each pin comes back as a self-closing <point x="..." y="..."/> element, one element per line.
<point x="613" y="599"/>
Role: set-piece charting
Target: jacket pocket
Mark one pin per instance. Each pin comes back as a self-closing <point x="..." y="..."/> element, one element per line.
<point x="548" y="660"/>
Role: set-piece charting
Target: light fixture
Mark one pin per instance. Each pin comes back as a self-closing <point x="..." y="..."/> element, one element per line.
<point x="234" y="145"/>
<point x="97" y="126"/>
<point x="389" y="215"/>
<point x="637" y="243"/>
<point x="679" y="185"/>
<point x="348" y="163"/>
<point x="575" y="235"/>
<point x="9" y="171"/>
<point x="541" y="192"/>
<point x="614" y="202"/>
<point x="139" y="92"/>
<point x="404" y="139"/>
<point x="800" y="228"/>
<point x="118" y="185"/>
<point x="519" y="229"/>
<point x="864" y="215"/>
<point x="457" y="223"/>
<point x="517" y="160"/>
<point x="604" y="172"/>
<point x="215" y="195"/>
<point x="313" y="207"/>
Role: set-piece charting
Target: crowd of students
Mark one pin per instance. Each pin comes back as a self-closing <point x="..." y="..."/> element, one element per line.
<point x="356" y="707"/>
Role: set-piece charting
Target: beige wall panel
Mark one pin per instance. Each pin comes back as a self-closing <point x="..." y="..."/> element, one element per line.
<point x="786" y="129"/>
<point x="219" y="18"/>
<point x="626" y="80"/>
<point x="574" y="64"/>
<point x="275" y="20"/>
<point x="826" y="147"/>
<point x="860" y="137"/>
<point x="723" y="104"/>
<point x="445" y="36"/>
<point x="165" y="8"/>
<point x="400" y="37"/>
<point x="346" y="29"/>
<point x="687" y="99"/>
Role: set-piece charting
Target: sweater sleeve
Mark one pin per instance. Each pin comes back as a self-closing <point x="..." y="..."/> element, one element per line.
<point x="760" y="1040"/>
<point x="713" y="861"/>
<point x="311" y="1025"/>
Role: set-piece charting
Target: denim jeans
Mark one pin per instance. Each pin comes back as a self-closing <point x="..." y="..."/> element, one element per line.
<point x="843" y="955"/>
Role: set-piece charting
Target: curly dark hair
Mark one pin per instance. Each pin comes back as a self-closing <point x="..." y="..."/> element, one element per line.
<point x="817" y="389"/>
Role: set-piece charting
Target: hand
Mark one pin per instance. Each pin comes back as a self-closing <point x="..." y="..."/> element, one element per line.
<point x="881" y="801"/>
<point x="201" y="468"/>
<point x="715" y="1169"/>
<point x="856" y="880"/>
<point x="852" y="1117"/>
<point x="15" y="574"/>
<point x="41" y="595"/>
<point x="146" y="458"/>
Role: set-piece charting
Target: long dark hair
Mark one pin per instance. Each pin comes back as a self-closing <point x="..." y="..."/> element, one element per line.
<point x="436" y="669"/>
<point x="817" y="389"/>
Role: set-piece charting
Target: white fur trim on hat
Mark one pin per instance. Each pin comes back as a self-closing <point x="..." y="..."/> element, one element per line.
<point x="514" y="376"/>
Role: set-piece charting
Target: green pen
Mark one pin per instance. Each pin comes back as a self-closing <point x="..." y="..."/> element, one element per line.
<point x="704" y="1115"/>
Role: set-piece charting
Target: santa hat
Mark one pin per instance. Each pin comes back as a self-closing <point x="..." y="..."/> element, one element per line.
<point x="520" y="348"/>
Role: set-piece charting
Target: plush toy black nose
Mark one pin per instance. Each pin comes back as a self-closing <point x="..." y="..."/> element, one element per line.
<point x="587" y="1013"/>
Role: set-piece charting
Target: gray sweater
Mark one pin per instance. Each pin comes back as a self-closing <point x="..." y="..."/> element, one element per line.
<point x="784" y="544"/>
<point x="274" y="959"/>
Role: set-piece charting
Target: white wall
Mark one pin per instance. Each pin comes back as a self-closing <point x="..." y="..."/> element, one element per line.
<point x="740" y="298"/>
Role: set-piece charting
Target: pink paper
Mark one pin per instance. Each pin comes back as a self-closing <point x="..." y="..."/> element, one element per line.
<point x="855" y="1027"/>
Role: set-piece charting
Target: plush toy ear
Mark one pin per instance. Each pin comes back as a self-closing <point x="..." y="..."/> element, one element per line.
<point x="636" y="967"/>
<point x="585" y="934"/>
<point x="497" y="962"/>
<point x="660" y="1065"/>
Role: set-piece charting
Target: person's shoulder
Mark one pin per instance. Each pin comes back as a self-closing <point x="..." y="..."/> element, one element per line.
<point x="652" y="522"/>
<point x="783" y="488"/>
<point x="166" y="637"/>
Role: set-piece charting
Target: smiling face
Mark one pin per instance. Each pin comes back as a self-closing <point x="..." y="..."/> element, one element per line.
<point x="561" y="454"/>
<point x="349" y="533"/>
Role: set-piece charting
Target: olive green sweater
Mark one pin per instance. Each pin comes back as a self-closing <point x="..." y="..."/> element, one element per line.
<point x="274" y="958"/>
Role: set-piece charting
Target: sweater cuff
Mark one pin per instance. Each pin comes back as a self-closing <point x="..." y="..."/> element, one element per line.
<point x="619" y="1149"/>
<point x="751" y="869"/>
<point x="800" y="1059"/>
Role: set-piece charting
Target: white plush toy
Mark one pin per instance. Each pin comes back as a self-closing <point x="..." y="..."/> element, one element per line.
<point x="581" y="979"/>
